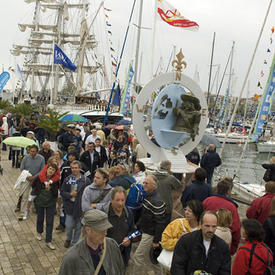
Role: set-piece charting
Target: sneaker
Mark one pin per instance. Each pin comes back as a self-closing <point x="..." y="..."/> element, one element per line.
<point x="26" y="215"/>
<point x="60" y="228"/>
<point x="67" y="244"/>
<point x="51" y="246"/>
<point x="39" y="237"/>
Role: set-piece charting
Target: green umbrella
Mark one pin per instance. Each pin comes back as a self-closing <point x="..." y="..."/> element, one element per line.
<point x="19" y="141"/>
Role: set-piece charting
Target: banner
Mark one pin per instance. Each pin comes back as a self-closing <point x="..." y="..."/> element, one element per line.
<point x="223" y="104"/>
<point x="4" y="77"/>
<point x="61" y="58"/>
<point x="172" y="16"/>
<point x="267" y="100"/>
<point x="126" y="92"/>
<point x="116" y="98"/>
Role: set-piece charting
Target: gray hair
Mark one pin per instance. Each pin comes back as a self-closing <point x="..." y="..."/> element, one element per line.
<point x="165" y="164"/>
<point x="76" y="162"/>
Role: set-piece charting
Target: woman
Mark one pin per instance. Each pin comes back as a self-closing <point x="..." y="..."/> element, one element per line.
<point x="270" y="166"/>
<point x="181" y="226"/>
<point x="139" y="172"/>
<point x="253" y="233"/>
<point x="224" y="222"/>
<point x="46" y="192"/>
<point x="269" y="227"/>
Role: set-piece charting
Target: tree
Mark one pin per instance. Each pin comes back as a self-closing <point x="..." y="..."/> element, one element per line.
<point x="22" y="109"/>
<point x="5" y="105"/>
<point x="50" y="122"/>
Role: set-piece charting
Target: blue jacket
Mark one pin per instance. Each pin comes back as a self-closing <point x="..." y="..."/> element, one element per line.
<point x="73" y="207"/>
<point x="198" y="190"/>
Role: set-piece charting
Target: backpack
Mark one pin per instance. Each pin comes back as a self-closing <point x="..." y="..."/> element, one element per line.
<point x="268" y="268"/>
<point x="135" y="196"/>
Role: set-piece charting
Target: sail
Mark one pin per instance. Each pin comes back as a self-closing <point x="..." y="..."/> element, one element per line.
<point x="266" y="100"/>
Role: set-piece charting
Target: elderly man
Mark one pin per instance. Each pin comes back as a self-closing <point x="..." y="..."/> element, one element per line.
<point x="34" y="163"/>
<point x="202" y="250"/>
<point x="121" y="217"/>
<point x="95" y="254"/>
<point x="97" y="194"/>
<point x="46" y="151"/>
<point x="152" y="224"/>
<point x="222" y="200"/>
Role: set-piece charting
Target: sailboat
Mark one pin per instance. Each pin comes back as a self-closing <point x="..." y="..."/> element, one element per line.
<point x="67" y="24"/>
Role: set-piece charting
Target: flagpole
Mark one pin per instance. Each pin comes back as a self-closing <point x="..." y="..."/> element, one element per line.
<point x="118" y="65"/>
<point x="246" y="76"/>
<point x="154" y="38"/>
<point x="52" y="72"/>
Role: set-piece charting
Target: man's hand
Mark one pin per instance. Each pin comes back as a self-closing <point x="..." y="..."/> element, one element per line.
<point x="73" y="194"/>
<point x="93" y="205"/>
<point x="126" y="241"/>
<point x="155" y="245"/>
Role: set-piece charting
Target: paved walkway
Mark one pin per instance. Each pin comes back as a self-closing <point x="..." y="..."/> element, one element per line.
<point x="20" y="252"/>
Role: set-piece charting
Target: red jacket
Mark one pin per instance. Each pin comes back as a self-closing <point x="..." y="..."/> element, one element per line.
<point x="218" y="201"/>
<point x="260" y="208"/>
<point x="241" y="263"/>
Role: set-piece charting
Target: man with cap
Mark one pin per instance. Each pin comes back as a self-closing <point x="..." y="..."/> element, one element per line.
<point x="95" y="254"/>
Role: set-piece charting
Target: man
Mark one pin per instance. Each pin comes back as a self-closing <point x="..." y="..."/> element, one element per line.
<point x="121" y="218"/>
<point x="95" y="251"/>
<point x="198" y="190"/>
<point x="92" y="138"/>
<point x="67" y="138"/>
<point x="34" y="163"/>
<point x="98" y="193"/>
<point x="102" y="153"/>
<point x="209" y="161"/>
<point x="222" y="200"/>
<point x="90" y="160"/>
<point x="46" y="151"/>
<point x="260" y="207"/>
<point x="71" y="193"/>
<point x="152" y="224"/>
<point x="166" y="184"/>
<point x="202" y="250"/>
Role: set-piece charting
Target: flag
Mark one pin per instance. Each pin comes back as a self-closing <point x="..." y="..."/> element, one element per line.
<point x="116" y="98"/>
<point x="272" y="30"/>
<point x="110" y="32"/>
<point x="4" y="78"/>
<point x="172" y="16"/>
<point x="108" y="24"/>
<point x="20" y="75"/>
<point x="114" y="64"/>
<point x="61" y="58"/>
<point x="259" y="85"/>
<point x="112" y="50"/>
<point x="107" y="9"/>
<point x="265" y="62"/>
<point x="262" y="73"/>
<point x="268" y="50"/>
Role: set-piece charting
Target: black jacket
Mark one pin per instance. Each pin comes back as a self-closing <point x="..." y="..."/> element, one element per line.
<point x="270" y="234"/>
<point x="73" y="207"/>
<point x="272" y="167"/>
<point x="102" y="156"/>
<point x="210" y="160"/>
<point x="85" y="159"/>
<point x="189" y="255"/>
<point x="153" y="216"/>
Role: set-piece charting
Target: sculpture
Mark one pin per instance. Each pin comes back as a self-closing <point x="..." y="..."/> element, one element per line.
<point x="188" y="115"/>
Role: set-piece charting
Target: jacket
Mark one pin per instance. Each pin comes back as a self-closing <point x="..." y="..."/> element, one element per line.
<point x="91" y="193"/>
<point x="218" y="201"/>
<point x="85" y="159"/>
<point x="210" y="161"/>
<point x="102" y="156"/>
<point x="173" y="232"/>
<point x="77" y="260"/>
<point x="140" y="177"/>
<point x="153" y="216"/>
<point x="270" y="234"/>
<point x="166" y="184"/>
<point x="189" y="255"/>
<point x="272" y="167"/>
<point x="241" y="262"/>
<point x="73" y="208"/>
<point x="198" y="190"/>
<point x="123" y="181"/>
<point x="225" y="234"/>
<point x="260" y="208"/>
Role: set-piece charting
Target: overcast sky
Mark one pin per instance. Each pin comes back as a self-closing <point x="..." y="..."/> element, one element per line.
<point x="232" y="20"/>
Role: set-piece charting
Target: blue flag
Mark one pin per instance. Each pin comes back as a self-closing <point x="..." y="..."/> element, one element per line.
<point x="116" y="98"/>
<point x="4" y="77"/>
<point x="61" y="58"/>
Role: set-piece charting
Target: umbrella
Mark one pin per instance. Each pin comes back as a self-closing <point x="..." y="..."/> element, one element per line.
<point x="110" y="126"/>
<point x="209" y="139"/>
<point x="19" y="141"/>
<point x="124" y="122"/>
<point x="73" y="118"/>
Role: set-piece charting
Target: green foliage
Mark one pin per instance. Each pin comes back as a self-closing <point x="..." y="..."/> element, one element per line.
<point x="50" y="122"/>
<point x="22" y="109"/>
<point x="5" y="105"/>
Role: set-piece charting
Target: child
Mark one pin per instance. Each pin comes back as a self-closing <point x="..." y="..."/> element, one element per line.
<point x="224" y="222"/>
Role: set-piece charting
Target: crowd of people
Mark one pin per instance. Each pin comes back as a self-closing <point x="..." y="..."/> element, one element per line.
<point x="106" y="200"/>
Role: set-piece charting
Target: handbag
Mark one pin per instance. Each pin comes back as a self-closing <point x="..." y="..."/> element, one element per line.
<point x="267" y="175"/>
<point x="166" y="256"/>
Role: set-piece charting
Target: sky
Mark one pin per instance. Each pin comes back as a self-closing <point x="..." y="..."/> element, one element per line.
<point x="232" y="20"/>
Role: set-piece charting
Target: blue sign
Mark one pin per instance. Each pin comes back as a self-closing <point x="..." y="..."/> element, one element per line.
<point x="4" y="77"/>
<point x="266" y="103"/>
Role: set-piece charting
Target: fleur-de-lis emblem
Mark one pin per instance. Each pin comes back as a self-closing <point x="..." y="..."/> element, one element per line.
<point x="177" y="64"/>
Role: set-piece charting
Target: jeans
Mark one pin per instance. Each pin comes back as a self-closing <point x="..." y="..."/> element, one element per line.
<point x="209" y="176"/>
<point x="14" y="157"/>
<point x="72" y="225"/>
<point x="49" y="221"/>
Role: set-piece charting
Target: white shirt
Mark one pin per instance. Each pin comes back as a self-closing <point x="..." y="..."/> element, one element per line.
<point x="206" y="245"/>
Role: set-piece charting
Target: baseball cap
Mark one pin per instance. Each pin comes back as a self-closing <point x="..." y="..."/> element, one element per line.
<point x="97" y="220"/>
<point x="72" y="126"/>
<point x="30" y="132"/>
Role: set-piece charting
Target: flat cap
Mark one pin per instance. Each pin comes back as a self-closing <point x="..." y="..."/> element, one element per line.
<point x="97" y="220"/>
